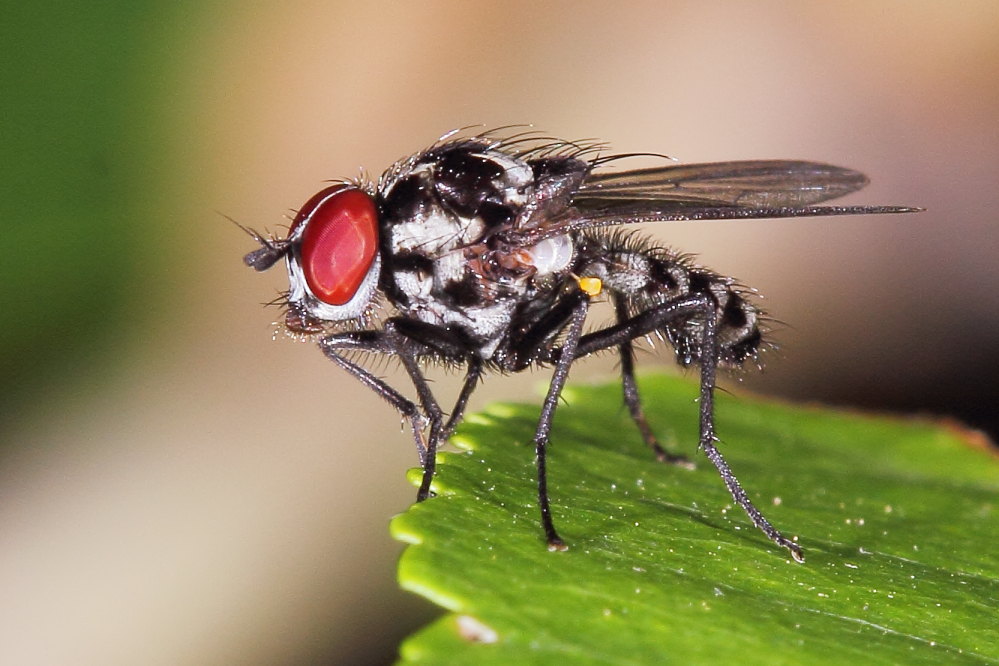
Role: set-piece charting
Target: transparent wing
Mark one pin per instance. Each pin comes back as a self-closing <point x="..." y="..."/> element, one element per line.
<point x="750" y="184"/>
<point x="630" y="212"/>
<point x="715" y="191"/>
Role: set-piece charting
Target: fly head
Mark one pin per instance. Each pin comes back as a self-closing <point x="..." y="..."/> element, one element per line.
<point x="331" y="253"/>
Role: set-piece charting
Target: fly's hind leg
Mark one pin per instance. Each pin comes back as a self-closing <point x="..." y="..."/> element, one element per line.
<point x="643" y="323"/>
<point x="632" y="399"/>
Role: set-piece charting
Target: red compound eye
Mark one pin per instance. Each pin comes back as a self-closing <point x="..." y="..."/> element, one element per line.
<point x="339" y="242"/>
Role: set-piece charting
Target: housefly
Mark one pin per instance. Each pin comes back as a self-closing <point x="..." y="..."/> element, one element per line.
<point x="485" y="252"/>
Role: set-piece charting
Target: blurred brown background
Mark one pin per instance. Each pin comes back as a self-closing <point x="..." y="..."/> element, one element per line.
<point x="177" y="488"/>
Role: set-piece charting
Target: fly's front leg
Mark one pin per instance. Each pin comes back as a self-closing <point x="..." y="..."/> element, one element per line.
<point x="437" y="433"/>
<point x="632" y="399"/>
<point x="431" y="408"/>
<point x="373" y="341"/>
<point x="391" y="341"/>
<point x="472" y="376"/>
<point x="411" y="337"/>
<point x="702" y="306"/>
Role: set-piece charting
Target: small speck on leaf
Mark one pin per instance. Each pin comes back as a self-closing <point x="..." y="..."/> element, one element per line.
<point x="474" y="631"/>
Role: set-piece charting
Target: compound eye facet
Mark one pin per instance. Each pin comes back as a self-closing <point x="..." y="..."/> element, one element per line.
<point x="338" y="243"/>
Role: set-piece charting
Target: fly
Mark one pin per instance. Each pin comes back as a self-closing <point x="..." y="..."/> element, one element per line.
<point x="485" y="252"/>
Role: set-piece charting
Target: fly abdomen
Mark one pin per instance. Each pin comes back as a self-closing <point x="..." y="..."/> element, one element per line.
<point x="647" y="275"/>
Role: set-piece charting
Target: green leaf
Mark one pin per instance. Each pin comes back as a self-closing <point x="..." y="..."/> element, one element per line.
<point x="898" y="520"/>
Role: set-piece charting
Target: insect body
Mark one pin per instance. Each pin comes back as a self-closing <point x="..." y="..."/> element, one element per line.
<point x="488" y="251"/>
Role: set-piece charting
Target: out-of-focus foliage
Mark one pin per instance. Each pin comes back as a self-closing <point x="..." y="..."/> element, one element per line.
<point x="71" y="183"/>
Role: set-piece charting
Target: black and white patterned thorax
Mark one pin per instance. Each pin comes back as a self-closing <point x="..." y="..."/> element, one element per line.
<point x="445" y="214"/>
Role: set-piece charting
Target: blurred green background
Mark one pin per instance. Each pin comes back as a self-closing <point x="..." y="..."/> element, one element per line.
<point x="177" y="488"/>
